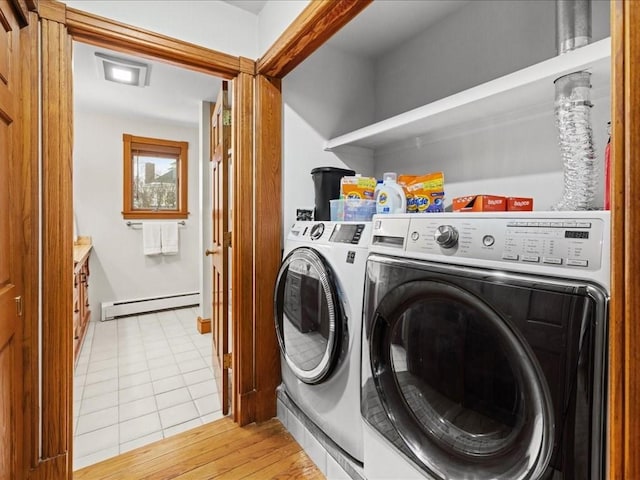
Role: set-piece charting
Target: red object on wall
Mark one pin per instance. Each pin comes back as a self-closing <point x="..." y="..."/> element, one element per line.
<point x="607" y="172"/>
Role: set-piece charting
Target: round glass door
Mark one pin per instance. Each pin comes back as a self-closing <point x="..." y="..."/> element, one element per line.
<point x="460" y="385"/>
<point x="308" y="315"/>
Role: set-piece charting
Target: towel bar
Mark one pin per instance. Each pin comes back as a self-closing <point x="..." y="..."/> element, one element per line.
<point x="131" y="224"/>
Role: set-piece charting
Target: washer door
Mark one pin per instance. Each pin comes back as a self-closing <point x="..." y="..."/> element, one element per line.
<point x="308" y="315"/>
<point x="459" y="384"/>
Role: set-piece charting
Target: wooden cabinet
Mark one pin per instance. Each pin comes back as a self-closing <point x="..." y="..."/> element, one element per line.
<point x="81" y="305"/>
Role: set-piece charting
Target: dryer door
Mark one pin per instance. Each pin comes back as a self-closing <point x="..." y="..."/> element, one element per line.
<point x="308" y="315"/>
<point x="459" y="384"/>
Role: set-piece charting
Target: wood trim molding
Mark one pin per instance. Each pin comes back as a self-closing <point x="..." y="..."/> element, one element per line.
<point x="624" y="330"/>
<point x="28" y="248"/>
<point x="247" y="66"/>
<point x="242" y="242"/>
<point x="22" y="8"/>
<point x="314" y="26"/>
<point x="615" y="445"/>
<point x="57" y="244"/>
<point x="52" y="10"/>
<point x="268" y="234"/>
<point x="100" y="31"/>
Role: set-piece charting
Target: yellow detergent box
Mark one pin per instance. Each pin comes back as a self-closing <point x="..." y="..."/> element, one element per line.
<point x="425" y="194"/>
<point x="404" y="181"/>
<point x="362" y="188"/>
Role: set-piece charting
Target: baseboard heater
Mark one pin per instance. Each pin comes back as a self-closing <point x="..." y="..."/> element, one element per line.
<point x="111" y="310"/>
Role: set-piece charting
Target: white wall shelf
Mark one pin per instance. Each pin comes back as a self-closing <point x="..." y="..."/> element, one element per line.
<point x="529" y="87"/>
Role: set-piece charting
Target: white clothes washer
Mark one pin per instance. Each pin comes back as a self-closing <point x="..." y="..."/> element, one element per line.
<point x="485" y="346"/>
<point x="318" y="316"/>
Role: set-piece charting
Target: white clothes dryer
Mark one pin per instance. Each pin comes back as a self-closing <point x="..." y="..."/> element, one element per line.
<point x="318" y="317"/>
<point x="485" y="346"/>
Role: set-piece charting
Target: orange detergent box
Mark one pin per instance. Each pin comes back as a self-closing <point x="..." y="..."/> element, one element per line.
<point x="480" y="203"/>
<point x="425" y="193"/>
<point x="358" y="187"/>
<point x="519" y="204"/>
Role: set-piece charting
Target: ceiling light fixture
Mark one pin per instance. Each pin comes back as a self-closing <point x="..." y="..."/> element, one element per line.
<point x="123" y="70"/>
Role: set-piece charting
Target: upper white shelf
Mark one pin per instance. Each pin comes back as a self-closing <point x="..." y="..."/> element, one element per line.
<point x="530" y="86"/>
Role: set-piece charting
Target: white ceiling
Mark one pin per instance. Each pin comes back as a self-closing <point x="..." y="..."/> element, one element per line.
<point x="174" y="94"/>
<point x="386" y="24"/>
<point x="253" y="6"/>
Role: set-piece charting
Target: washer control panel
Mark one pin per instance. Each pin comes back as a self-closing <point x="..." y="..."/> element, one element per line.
<point x="556" y="242"/>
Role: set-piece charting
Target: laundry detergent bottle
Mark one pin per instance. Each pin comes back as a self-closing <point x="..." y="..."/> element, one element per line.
<point x="390" y="197"/>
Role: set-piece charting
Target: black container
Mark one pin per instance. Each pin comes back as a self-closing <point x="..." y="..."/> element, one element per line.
<point x="326" y="181"/>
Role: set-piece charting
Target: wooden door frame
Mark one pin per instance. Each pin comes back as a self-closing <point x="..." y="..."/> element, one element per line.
<point x="48" y="451"/>
<point x="624" y="330"/>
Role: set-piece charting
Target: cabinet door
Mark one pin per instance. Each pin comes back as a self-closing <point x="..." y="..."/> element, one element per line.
<point x="12" y="264"/>
<point x="77" y="318"/>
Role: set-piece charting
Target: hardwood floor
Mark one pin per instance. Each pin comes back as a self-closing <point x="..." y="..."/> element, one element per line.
<point x="220" y="450"/>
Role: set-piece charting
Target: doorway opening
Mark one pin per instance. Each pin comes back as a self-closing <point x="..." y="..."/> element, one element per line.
<point x="140" y="378"/>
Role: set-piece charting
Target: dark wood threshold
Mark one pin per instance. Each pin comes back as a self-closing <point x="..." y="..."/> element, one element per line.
<point x="220" y="450"/>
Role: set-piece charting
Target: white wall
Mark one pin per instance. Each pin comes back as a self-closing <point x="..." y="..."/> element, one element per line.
<point x="212" y="24"/>
<point x="205" y="204"/>
<point x="480" y="42"/>
<point x="119" y="270"/>
<point x="329" y="93"/>
<point x="274" y="18"/>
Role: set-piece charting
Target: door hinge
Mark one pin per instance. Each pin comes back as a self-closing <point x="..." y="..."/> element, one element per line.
<point x="226" y="239"/>
<point x="18" y="301"/>
<point x="226" y="360"/>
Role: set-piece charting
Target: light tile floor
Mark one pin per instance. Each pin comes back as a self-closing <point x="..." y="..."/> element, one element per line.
<point x="141" y="379"/>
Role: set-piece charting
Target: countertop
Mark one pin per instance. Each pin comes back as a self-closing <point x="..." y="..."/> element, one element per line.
<point x="81" y="249"/>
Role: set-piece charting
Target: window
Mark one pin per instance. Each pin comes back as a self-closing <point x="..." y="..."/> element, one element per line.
<point x="155" y="178"/>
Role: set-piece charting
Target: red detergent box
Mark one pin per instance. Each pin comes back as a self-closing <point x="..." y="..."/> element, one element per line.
<point x="479" y="203"/>
<point x="519" y="204"/>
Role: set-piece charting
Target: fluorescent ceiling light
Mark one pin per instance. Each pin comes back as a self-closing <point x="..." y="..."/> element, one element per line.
<point x="122" y="75"/>
<point x="123" y="70"/>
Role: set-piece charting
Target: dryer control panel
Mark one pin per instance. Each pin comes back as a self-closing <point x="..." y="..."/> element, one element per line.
<point x="554" y="241"/>
<point x="328" y="233"/>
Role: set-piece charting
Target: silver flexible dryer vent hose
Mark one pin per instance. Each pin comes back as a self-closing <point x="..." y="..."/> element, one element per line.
<point x="573" y="110"/>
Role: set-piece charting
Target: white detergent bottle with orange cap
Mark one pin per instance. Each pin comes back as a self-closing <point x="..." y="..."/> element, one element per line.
<point x="390" y="197"/>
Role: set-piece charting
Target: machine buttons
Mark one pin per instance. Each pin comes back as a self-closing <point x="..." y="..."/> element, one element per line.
<point x="530" y="258"/>
<point x="316" y="231"/>
<point x="488" y="240"/>
<point x="583" y="225"/>
<point x="556" y="224"/>
<point x="509" y="256"/>
<point x="552" y="260"/>
<point x="577" y="263"/>
<point x="415" y="236"/>
<point x="533" y="224"/>
<point x="446" y="236"/>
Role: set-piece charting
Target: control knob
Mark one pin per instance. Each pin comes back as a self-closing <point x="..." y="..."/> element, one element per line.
<point x="446" y="236"/>
<point x="316" y="231"/>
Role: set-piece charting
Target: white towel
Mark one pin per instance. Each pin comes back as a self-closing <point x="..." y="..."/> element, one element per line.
<point x="169" y="240"/>
<point x="151" y="238"/>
